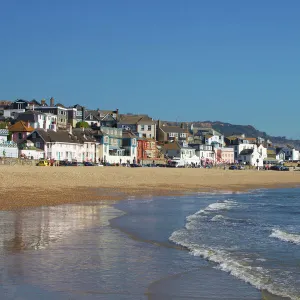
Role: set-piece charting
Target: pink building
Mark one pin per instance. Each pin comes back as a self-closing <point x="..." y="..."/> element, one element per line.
<point x="225" y="155"/>
<point x="20" y="130"/>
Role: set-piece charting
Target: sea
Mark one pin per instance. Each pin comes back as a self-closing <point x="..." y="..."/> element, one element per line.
<point x="242" y="245"/>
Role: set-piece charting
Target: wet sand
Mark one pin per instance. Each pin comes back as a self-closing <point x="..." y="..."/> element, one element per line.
<point x="29" y="186"/>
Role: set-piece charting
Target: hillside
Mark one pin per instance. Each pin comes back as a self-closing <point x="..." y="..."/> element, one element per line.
<point x="249" y="131"/>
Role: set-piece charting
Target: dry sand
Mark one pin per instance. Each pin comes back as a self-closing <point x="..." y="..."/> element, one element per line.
<point x="28" y="186"/>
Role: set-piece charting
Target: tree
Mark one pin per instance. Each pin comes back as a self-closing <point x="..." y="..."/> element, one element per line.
<point x="3" y="125"/>
<point x="82" y="124"/>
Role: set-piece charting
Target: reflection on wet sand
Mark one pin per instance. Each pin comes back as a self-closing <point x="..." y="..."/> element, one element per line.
<point x="37" y="229"/>
<point x="72" y="252"/>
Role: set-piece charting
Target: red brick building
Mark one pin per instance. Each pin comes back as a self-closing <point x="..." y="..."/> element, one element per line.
<point x="147" y="151"/>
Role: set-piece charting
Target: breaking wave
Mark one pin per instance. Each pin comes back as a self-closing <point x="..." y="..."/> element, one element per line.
<point x="256" y="276"/>
<point x="285" y="236"/>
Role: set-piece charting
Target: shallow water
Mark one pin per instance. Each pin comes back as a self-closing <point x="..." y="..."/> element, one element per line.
<point x="93" y="251"/>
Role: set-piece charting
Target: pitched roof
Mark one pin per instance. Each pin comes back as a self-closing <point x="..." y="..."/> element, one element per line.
<point x="175" y="146"/>
<point x="246" y="152"/>
<point x="171" y="146"/>
<point x="142" y="120"/>
<point x="169" y="129"/>
<point x="128" y="134"/>
<point x="20" y="126"/>
<point x="34" y="102"/>
<point x="63" y="136"/>
<point x="278" y="150"/>
<point x="86" y="135"/>
<point x="31" y="116"/>
<point x="98" y="114"/>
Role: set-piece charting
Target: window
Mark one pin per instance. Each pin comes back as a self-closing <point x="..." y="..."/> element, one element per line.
<point x="183" y="135"/>
<point x="149" y="127"/>
<point x="142" y="127"/>
<point x="38" y="144"/>
<point x="171" y="134"/>
<point x="20" y="136"/>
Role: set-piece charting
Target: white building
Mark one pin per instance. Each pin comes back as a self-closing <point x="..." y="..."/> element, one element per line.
<point x="205" y="153"/>
<point x="291" y="153"/>
<point x="182" y="151"/>
<point x="208" y="136"/>
<point x="7" y="148"/>
<point x="61" y="145"/>
<point x="253" y="156"/>
<point x="37" y="119"/>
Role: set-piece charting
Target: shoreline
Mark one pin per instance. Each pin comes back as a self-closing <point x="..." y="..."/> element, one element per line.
<point x="24" y="187"/>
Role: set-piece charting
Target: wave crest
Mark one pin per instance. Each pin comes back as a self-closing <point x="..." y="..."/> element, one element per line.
<point x="285" y="236"/>
<point x="257" y="276"/>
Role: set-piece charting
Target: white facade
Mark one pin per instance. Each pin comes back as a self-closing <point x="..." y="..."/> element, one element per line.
<point x="7" y="148"/>
<point x="256" y="158"/>
<point x="8" y="113"/>
<point x="147" y="130"/>
<point x="239" y="148"/>
<point x="215" y="140"/>
<point x="184" y="153"/>
<point x="35" y="154"/>
<point x="104" y="154"/>
<point x="291" y="153"/>
<point x="205" y="153"/>
<point x="44" y="121"/>
<point x="71" y="151"/>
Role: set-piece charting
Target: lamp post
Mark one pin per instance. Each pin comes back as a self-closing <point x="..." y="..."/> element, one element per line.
<point x="142" y="152"/>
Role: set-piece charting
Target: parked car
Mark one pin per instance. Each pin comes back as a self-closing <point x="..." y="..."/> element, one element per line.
<point x="241" y="168"/>
<point x="65" y="163"/>
<point x="88" y="164"/>
<point x="43" y="163"/>
<point x="275" y="168"/>
<point x="233" y="167"/>
<point x="134" y="165"/>
<point x="283" y="168"/>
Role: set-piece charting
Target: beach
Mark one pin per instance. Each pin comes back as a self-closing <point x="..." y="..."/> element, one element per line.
<point x="29" y="186"/>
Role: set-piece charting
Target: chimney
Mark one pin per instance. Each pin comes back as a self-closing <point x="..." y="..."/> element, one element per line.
<point x="51" y="101"/>
<point x="83" y="113"/>
<point x="69" y="128"/>
<point x="43" y="102"/>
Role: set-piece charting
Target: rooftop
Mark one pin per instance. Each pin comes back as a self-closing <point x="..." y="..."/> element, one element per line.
<point x="20" y="126"/>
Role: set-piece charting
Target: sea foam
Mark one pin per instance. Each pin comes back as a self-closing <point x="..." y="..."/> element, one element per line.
<point x="256" y="276"/>
<point x="285" y="236"/>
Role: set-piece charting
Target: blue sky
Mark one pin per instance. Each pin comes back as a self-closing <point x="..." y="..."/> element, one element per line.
<point x="234" y="61"/>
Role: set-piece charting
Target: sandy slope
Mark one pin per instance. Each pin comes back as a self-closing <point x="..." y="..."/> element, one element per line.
<point x="27" y="186"/>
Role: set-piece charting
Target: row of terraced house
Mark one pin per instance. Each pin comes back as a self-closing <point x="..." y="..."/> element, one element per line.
<point x="51" y="130"/>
